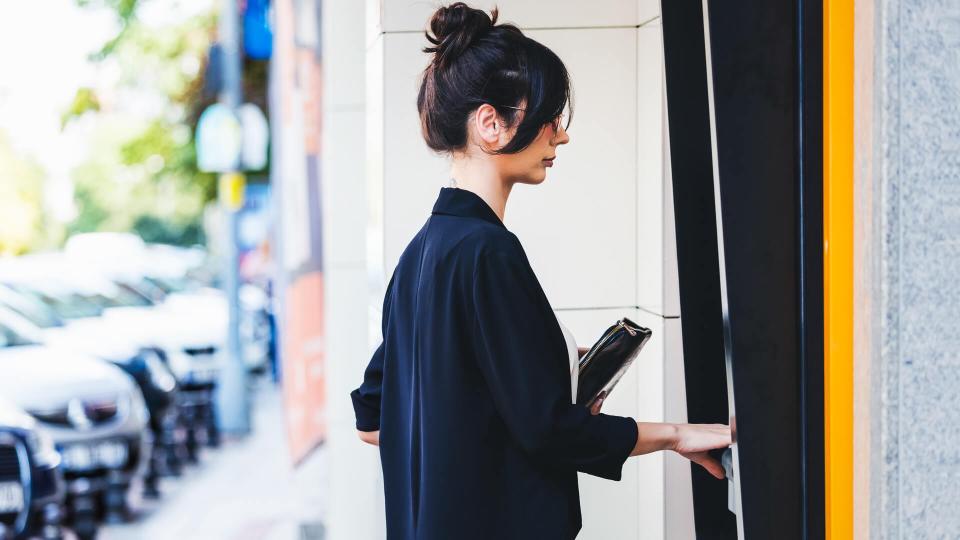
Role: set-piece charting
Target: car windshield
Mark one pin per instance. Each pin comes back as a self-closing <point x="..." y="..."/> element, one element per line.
<point x="65" y="305"/>
<point x="103" y="301"/>
<point x="127" y="296"/>
<point x="175" y="284"/>
<point x="10" y="338"/>
<point x="147" y="289"/>
<point x="33" y="310"/>
<point x="163" y="284"/>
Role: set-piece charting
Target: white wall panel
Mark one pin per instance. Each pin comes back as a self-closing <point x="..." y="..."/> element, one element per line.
<point x="579" y="226"/>
<point x="414" y="15"/>
<point x="375" y="150"/>
<point x="355" y="509"/>
<point x="355" y="481"/>
<point x="342" y="31"/>
<point x="678" y="495"/>
<point x="344" y="197"/>
<point x="648" y="10"/>
<point x="649" y="369"/>
<point x="412" y="173"/>
<point x="650" y="200"/>
<point x="373" y="13"/>
<point x="671" y="277"/>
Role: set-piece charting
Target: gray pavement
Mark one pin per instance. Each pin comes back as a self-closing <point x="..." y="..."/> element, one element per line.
<point x="245" y="490"/>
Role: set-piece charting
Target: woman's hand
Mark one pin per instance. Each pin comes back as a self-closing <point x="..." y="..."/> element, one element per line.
<point x="595" y="408"/>
<point x="691" y="441"/>
<point x="370" y="437"/>
<point x="694" y="440"/>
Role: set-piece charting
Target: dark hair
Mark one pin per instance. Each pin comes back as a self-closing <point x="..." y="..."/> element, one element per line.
<point x="477" y="61"/>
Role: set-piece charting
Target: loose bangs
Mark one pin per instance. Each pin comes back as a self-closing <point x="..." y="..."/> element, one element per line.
<point x="548" y="94"/>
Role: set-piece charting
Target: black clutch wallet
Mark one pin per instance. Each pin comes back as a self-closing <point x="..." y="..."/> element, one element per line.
<point x="605" y="363"/>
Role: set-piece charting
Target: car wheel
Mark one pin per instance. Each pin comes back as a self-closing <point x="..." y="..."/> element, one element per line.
<point x="85" y="528"/>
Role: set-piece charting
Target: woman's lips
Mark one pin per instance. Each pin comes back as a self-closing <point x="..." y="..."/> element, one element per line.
<point x="549" y="161"/>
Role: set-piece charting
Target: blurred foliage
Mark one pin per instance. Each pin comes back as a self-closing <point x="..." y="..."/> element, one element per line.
<point x="85" y="100"/>
<point x="138" y="175"/>
<point x="23" y="224"/>
<point x="141" y="172"/>
<point x="125" y="10"/>
<point x="153" y="229"/>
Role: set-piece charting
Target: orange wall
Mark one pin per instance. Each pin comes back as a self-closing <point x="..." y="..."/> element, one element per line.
<point x="303" y="365"/>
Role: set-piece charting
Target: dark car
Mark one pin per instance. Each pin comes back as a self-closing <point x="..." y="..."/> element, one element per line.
<point x="32" y="491"/>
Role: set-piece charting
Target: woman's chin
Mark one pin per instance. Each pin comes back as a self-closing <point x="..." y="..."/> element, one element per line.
<point x="538" y="176"/>
<point x="533" y="177"/>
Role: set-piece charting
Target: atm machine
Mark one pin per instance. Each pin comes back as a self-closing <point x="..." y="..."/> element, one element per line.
<point x="744" y="101"/>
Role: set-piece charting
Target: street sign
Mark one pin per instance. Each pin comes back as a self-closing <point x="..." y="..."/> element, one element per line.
<point x="219" y="140"/>
<point x="255" y="134"/>
<point x="230" y="190"/>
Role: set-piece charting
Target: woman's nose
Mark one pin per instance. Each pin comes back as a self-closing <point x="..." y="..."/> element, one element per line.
<point x="562" y="137"/>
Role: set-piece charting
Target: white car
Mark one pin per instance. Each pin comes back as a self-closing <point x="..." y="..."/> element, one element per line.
<point x="116" y="319"/>
<point x="95" y="308"/>
<point x="92" y="410"/>
<point x="124" y="258"/>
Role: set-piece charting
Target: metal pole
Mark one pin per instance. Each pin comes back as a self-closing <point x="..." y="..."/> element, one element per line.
<point x="233" y="408"/>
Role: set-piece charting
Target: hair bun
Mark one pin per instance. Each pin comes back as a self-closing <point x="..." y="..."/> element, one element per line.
<point x="455" y="28"/>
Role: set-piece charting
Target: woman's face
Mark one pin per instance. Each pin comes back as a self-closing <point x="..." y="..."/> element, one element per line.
<point x="530" y="165"/>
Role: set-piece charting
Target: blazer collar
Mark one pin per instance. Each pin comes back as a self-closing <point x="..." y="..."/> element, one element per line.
<point x="464" y="203"/>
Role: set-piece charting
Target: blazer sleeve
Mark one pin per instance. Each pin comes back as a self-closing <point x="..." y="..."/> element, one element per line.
<point x="522" y="354"/>
<point x="366" y="398"/>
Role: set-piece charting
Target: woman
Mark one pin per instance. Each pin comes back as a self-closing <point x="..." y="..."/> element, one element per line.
<point x="469" y="395"/>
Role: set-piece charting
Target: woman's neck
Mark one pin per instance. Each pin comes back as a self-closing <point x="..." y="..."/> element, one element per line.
<point x="482" y="179"/>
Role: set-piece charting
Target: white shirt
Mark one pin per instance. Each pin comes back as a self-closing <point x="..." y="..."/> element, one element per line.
<point x="574" y="357"/>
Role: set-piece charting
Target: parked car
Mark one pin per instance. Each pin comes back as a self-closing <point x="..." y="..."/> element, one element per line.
<point x="181" y="271"/>
<point x="186" y="344"/>
<point x="32" y="492"/>
<point x="94" y="413"/>
<point x="163" y="274"/>
<point x="145" y="365"/>
<point x="92" y="305"/>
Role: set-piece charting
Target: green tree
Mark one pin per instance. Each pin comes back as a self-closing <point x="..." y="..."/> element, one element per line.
<point x="23" y="223"/>
<point x="141" y="172"/>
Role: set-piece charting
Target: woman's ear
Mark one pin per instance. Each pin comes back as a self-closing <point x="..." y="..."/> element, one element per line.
<point x="489" y="126"/>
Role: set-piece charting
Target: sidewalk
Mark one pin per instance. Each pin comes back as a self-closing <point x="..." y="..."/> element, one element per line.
<point x="244" y="490"/>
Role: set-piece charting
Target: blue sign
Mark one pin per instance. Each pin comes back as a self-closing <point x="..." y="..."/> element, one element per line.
<point x="257" y="34"/>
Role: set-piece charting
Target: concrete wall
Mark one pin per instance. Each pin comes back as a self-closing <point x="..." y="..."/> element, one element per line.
<point x="354" y="482"/>
<point x="907" y="191"/>
<point x="606" y="195"/>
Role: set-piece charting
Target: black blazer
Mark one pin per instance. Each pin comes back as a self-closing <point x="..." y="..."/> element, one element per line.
<point x="470" y="390"/>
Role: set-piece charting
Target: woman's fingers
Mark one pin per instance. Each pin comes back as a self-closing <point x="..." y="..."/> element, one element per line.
<point x="723" y="436"/>
<point x="595" y="408"/>
<point x="709" y="463"/>
<point x="702" y="437"/>
<point x="706" y="461"/>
